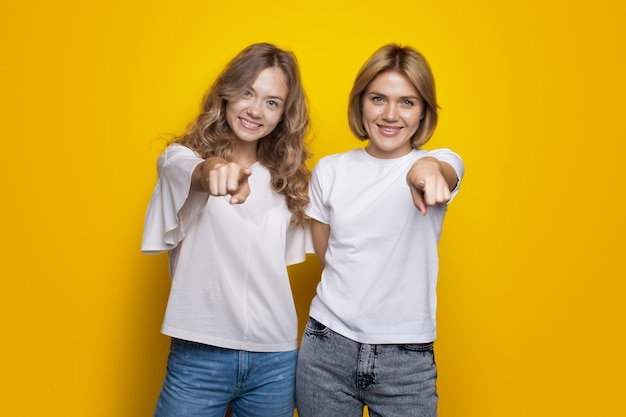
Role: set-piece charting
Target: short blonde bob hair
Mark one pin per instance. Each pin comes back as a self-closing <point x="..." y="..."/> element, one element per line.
<point x="408" y="62"/>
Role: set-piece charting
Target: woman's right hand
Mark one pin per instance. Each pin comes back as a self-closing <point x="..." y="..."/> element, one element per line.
<point x="219" y="177"/>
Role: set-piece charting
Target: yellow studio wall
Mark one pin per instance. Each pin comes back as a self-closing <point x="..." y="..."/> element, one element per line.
<point x="531" y="310"/>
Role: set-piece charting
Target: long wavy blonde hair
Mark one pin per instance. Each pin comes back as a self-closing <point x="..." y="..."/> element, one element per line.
<point x="283" y="152"/>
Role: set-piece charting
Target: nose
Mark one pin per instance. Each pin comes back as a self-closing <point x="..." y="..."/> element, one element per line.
<point x="254" y="109"/>
<point x="390" y="112"/>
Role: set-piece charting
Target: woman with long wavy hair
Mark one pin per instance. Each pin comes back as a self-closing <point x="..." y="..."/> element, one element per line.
<point x="228" y="208"/>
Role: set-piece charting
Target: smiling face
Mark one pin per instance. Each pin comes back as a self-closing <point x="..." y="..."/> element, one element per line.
<point x="257" y="112"/>
<point x="392" y="110"/>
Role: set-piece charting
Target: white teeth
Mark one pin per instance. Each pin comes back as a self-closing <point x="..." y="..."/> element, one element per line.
<point x="249" y="123"/>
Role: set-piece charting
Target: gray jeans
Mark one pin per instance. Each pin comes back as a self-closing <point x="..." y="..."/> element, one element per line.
<point x="337" y="376"/>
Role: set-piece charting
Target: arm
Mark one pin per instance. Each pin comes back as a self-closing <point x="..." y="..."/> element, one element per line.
<point x="320" y="233"/>
<point x="219" y="177"/>
<point x="431" y="181"/>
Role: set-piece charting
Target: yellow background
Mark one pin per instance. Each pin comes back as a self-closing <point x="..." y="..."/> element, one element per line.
<point x="531" y="312"/>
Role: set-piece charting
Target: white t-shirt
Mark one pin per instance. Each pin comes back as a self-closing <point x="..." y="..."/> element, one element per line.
<point x="230" y="286"/>
<point x="379" y="283"/>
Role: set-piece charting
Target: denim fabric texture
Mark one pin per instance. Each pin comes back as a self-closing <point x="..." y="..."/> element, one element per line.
<point x="201" y="380"/>
<point x="337" y="376"/>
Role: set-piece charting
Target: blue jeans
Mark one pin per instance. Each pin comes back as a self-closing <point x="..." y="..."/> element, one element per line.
<point x="202" y="380"/>
<point x="337" y="376"/>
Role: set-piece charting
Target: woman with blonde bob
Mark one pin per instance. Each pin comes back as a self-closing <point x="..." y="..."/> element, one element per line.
<point x="414" y="67"/>
<point x="377" y="215"/>
<point x="228" y="208"/>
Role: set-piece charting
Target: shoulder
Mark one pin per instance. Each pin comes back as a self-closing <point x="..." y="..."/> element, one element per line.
<point x="451" y="157"/>
<point x="443" y="153"/>
<point x="173" y="151"/>
<point x="177" y="155"/>
<point x="417" y="154"/>
<point x="338" y="159"/>
<point x="177" y="150"/>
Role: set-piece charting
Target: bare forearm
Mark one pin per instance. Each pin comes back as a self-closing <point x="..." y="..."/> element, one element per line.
<point x="320" y="232"/>
<point x="449" y="174"/>
<point x="446" y="170"/>
<point x="196" y="178"/>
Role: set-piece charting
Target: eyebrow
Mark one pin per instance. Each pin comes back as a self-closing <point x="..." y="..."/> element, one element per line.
<point x="269" y="97"/>
<point x="385" y="95"/>
<point x="276" y="98"/>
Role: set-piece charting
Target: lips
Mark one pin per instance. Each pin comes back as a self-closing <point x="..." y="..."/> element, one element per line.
<point x="248" y="124"/>
<point x="389" y="130"/>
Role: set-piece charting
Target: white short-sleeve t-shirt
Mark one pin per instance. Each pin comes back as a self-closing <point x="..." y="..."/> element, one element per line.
<point x="230" y="286"/>
<point x="379" y="282"/>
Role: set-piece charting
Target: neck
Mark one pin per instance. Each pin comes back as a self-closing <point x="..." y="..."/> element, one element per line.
<point x="246" y="154"/>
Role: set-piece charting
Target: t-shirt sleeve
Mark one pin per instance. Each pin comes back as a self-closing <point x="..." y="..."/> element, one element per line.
<point x="455" y="161"/>
<point x="172" y="207"/>
<point x="317" y="209"/>
<point x="299" y="243"/>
